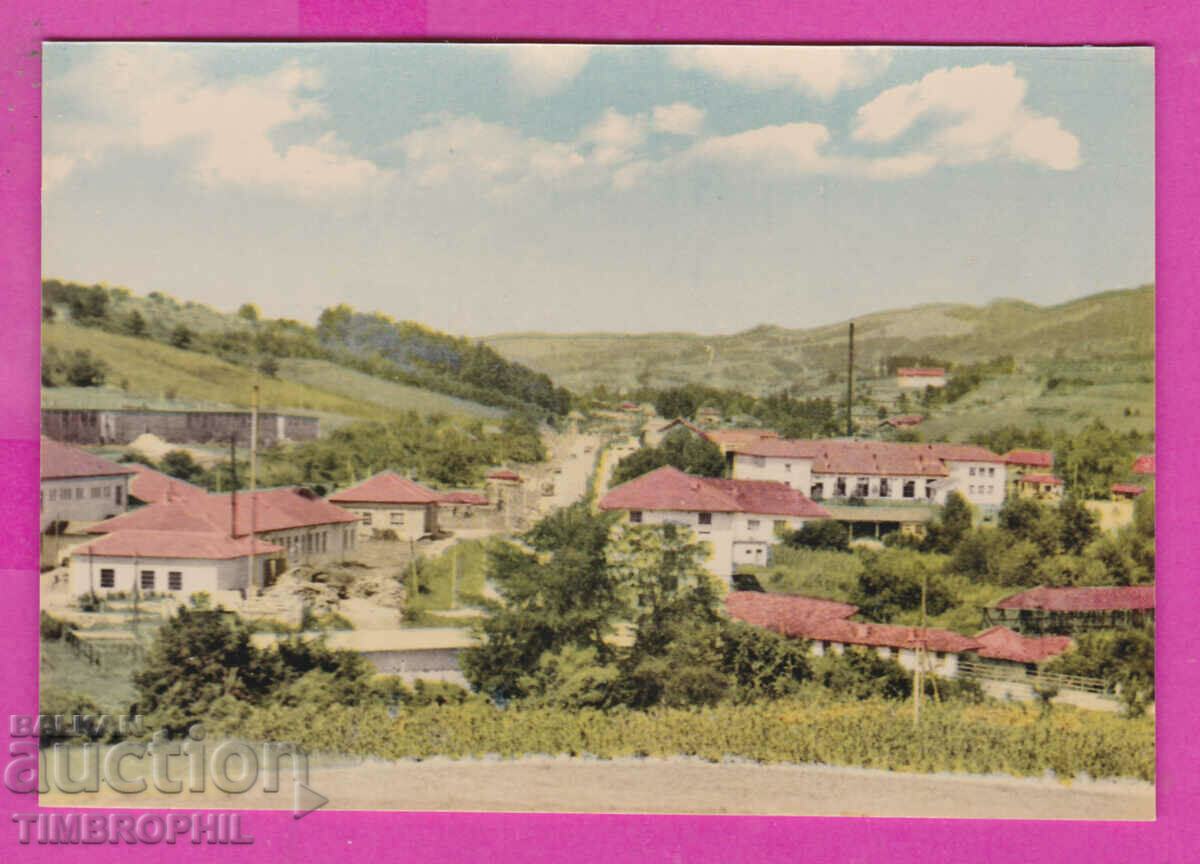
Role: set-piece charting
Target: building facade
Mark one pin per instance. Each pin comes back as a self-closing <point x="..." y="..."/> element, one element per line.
<point x="77" y="486"/>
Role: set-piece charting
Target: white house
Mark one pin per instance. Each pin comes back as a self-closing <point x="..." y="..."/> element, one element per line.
<point x="874" y="470"/>
<point x="389" y="502"/>
<point x="739" y="519"/>
<point x="79" y="487"/>
<point x="921" y="377"/>
<point x="309" y="528"/>
<point x="169" y="562"/>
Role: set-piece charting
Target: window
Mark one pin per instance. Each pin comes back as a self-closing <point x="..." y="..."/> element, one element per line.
<point x="397" y="517"/>
<point x="78" y="493"/>
<point x="96" y="492"/>
<point x="752" y="524"/>
<point x="119" y="494"/>
<point x="910" y="489"/>
<point x="970" y="490"/>
<point x="175" y="581"/>
<point x="108" y="578"/>
<point x="839" y="488"/>
<point x="862" y="488"/>
<point x="787" y="466"/>
<point x="929" y="490"/>
<point x="817" y="491"/>
<point x="991" y="472"/>
<point x="53" y="494"/>
<point x="940" y="655"/>
<point x="147" y="581"/>
<point x="884" y="489"/>
<point x="972" y="472"/>
<point x="705" y="521"/>
<point x="635" y="516"/>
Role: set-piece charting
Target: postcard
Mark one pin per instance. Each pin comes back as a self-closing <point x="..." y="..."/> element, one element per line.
<point x="572" y="428"/>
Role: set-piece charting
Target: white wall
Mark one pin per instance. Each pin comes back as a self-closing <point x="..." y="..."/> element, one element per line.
<point x="944" y="667"/>
<point x="413" y="523"/>
<point x="985" y="486"/>
<point x="198" y="574"/>
<point x="719" y="535"/>
<point x="85" y="499"/>
<point x="921" y="381"/>
<point x="796" y="473"/>
<point x="331" y="542"/>
<point x="895" y="486"/>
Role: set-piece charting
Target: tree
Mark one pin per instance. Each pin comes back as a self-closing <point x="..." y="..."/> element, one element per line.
<point x="179" y="463"/>
<point x="951" y="526"/>
<point x="181" y="337"/>
<point x="1077" y="526"/>
<point x="136" y="325"/>
<point x="682" y="448"/>
<point x="891" y="583"/>
<point x="48" y="313"/>
<point x="269" y="366"/>
<point x="820" y="534"/>
<point x="248" y="312"/>
<point x="1027" y="519"/>
<point x="678" y="402"/>
<point x="84" y="370"/>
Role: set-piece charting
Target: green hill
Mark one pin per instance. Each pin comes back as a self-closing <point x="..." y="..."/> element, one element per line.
<point x="1114" y="324"/>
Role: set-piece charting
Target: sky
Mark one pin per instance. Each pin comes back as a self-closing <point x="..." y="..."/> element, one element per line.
<point x="484" y="189"/>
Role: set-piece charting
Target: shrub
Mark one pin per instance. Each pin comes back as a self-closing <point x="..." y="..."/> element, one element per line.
<point x="84" y="370"/>
<point x="51" y="627"/>
<point x="821" y="534"/>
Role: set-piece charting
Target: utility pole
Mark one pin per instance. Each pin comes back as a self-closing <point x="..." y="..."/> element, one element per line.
<point x="232" y="488"/>
<point x="920" y="657"/>
<point x="454" y="579"/>
<point x="850" y="387"/>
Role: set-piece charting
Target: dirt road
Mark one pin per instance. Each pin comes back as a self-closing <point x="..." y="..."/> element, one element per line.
<point x="682" y="785"/>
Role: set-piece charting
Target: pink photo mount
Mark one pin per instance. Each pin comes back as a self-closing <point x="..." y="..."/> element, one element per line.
<point x="1173" y="29"/>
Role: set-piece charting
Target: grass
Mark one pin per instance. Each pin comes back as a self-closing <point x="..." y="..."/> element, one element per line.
<point x="438" y="588"/>
<point x="323" y="375"/>
<point x="150" y="374"/>
<point x="815" y="572"/>
<point x="109" y="684"/>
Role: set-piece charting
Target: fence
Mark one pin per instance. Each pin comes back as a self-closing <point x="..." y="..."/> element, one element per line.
<point x="993" y="672"/>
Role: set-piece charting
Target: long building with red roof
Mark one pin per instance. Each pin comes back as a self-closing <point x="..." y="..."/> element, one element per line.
<point x="738" y="518"/>
<point x="390" y="502"/>
<point x="874" y="470"/>
<point x="919" y="376"/>
<point x="1074" y="609"/>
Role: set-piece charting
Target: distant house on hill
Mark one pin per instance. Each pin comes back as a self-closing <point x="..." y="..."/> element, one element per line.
<point x="654" y="435"/>
<point x="1042" y="487"/>
<point x="1070" y="610"/>
<point x="708" y="417"/>
<point x="1022" y="462"/>
<point x="737" y="518"/>
<point x="874" y="470"/>
<point x="902" y="421"/>
<point x="1144" y="465"/>
<point x="914" y="377"/>
<point x="389" y="502"/>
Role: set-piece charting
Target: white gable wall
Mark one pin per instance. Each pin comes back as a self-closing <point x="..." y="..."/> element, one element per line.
<point x="88" y="571"/>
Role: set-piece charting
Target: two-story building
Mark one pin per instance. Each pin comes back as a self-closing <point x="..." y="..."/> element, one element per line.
<point x="875" y="470"/>
<point x="77" y="486"/>
<point x="739" y="519"/>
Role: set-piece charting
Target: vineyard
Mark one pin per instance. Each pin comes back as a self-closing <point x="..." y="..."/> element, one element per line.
<point x="953" y="737"/>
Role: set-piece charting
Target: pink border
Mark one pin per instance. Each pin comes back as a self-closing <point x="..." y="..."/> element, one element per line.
<point x="1169" y="26"/>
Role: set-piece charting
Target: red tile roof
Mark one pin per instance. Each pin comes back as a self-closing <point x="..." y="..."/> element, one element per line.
<point x="276" y="510"/>
<point x="1133" y="597"/>
<point x="1128" y="489"/>
<point x="1030" y="458"/>
<point x="1000" y="643"/>
<point x="473" y="498"/>
<point x="870" y="457"/>
<point x="505" y="474"/>
<point x="887" y="636"/>
<point x="1143" y="465"/>
<point x="60" y="460"/>
<point x="905" y="420"/>
<point x="386" y="488"/>
<point x="1048" y="479"/>
<point x="154" y="487"/>
<point x="679" y="421"/>
<point x="175" y="544"/>
<point x="668" y="488"/>
<point x="920" y="372"/>
<point x="736" y="438"/>
<point x="786" y="614"/>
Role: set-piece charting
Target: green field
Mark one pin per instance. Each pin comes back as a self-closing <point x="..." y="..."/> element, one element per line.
<point x="147" y="374"/>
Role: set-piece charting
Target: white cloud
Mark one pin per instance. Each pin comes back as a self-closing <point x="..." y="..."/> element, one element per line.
<point x="978" y="113"/>
<point x="819" y="70"/>
<point x="542" y="69"/>
<point x="55" y="169"/>
<point x="788" y="149"/>
<point x="679" y="118"/>
<point x="227" y="126"/>
<point x="616" y="137"/>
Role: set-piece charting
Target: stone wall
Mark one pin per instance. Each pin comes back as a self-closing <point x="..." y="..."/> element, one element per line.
<point x="89" y="426"/>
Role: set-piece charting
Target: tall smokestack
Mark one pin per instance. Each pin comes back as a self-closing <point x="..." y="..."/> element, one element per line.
<point x="850" y="387"/>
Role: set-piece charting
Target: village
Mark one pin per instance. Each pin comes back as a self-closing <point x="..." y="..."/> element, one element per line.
<point x="397" y="571"/>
